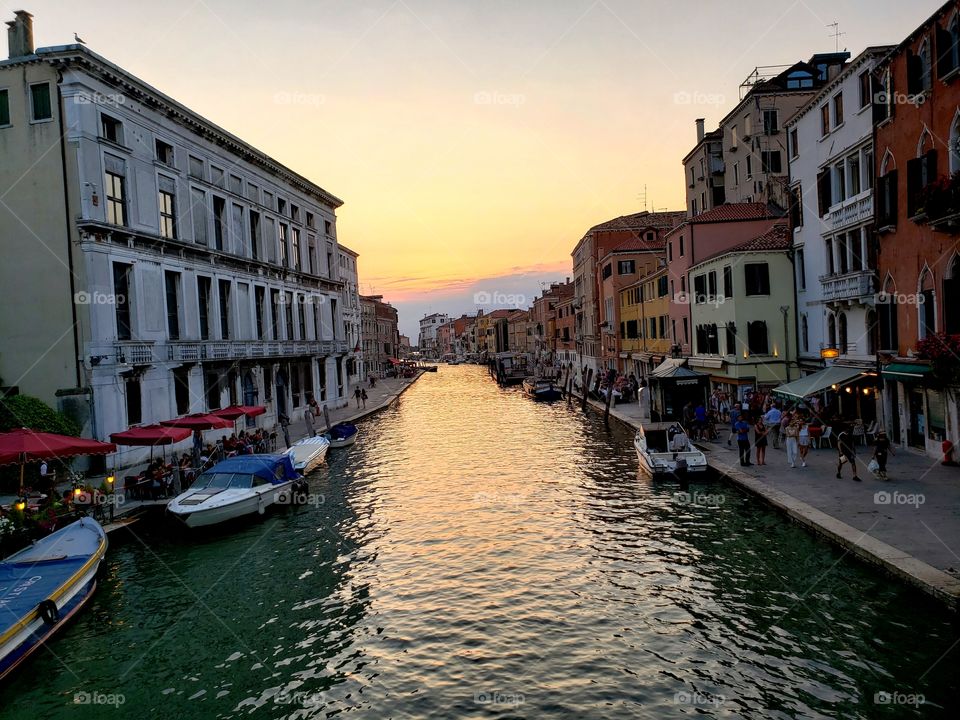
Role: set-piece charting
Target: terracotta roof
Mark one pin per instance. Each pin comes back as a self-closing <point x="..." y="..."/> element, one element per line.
<point x="642" y="220"/>
<point x="502" y="313"/>
<point x="731" y="212"/>
<point x="775" y="239"/>
<point x="637" y="243"/>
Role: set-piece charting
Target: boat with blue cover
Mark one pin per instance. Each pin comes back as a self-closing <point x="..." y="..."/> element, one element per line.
<point x="342" y="434"/>
<point x="44" y="585"/>
<point x="236" y="487"/>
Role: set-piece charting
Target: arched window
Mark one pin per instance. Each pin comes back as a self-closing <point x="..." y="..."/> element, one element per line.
<point x="842" y="332"/>
<point x="924" y="65"/>
<point x="804" y="333"/>
<point x="887" y="331"/>
<point x="951" y="297"/>
<point x="887" y="190"/>
<point x="871" y="335"/>
<point x="926" y="304"/>
<point x="832" y="330"/>
<point x="954" y="147"/>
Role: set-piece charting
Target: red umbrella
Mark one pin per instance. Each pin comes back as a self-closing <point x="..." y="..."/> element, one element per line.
<point x="199" y="421"/>
<point x="238" y="411"/>
<point x="24" y="445"/>
<point x="151" y="435"/>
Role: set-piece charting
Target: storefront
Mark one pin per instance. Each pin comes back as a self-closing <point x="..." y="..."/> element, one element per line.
<point x="918" y="411"/>
<point x="673" y="386"/>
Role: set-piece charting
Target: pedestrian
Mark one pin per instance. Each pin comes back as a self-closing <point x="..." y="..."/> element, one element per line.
<point x="771" y="420"/>
<point x="803" y="440"/>
<point x="285" y="427"/>
<point x="742" y="428"/>
<point x="760" y="431"/>
<point x="792" y="433"/>
<point x="358" y="393"/>
<point x="308" y="419"/>
<point x="363" y="398"/>
<point x="880" y="450"/>
<point x="734" y="418"/>
<point x="847" y="453"/>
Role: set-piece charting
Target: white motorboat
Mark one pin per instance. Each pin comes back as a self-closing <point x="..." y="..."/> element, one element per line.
<point x="542" y="388"/>
<point x="308" y="454"/>
<point x="342" y="435"/>
<point x="236" y="487"/>
<point x="676" y="454"/>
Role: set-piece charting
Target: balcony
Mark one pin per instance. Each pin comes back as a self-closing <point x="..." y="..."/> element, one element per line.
<point x="856" y="286"/>
<point x="854" y="210"/>
<point x="139" y="353"/>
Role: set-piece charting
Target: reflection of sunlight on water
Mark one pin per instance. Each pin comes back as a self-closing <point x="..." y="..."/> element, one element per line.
<point x="477" y="553"/>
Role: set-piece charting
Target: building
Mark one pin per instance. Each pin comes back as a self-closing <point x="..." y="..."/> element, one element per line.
<point x="446" y="336"/>
<point x="380" y="334"/>
<point x="352" y="319"/>
<point x="703" y="168"/>
<point x="645" y="323"/>
<point x="520" y="332"/>
<point x="566" y="332"/>
<point x="404" y="349"/>
<point x="742" y="314"/>
<point x="595" y="244"/>
<point x="917" y="158"/>
<point x="543" y="317"/>
<point x="428" y="334"/>
<point x="754" y="144"/>
<point x="831" y="185"/>
<point x="181" y="270"/>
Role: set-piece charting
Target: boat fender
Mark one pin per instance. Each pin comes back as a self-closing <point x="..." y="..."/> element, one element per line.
<point x="49" y="612"/>
<point x="261" y="507"/>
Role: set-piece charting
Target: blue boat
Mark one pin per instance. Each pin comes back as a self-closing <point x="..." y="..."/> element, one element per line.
<point x="44" y="585"/>
<point x="342" y="435"/>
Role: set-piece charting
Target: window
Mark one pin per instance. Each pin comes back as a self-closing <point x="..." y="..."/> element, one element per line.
<point x="824" y="120"/>
<point x="756" y="278"/>
<point x="294" y="212"/>
<point x="631" y="329"/>
<point x="794" y="143"/>
<point x="607" y="271"/>
<point x="824" y="191"/>
<point x="283" y="245"/>
<point x="927" y="308"/>
<point x="799" y="79"/>
<point x="4" y="107"/>
<point x="167" y="203"/>
<point x="839" y="183"/>
<point x="796" y="206"/>
<point x="887" y="200"/>
<point x="757" y="338"/>
<point x="195" y="168"/>
<point x="198" y="213"/>
<point x="887" y="318"/>
<point x="237" y="230"/>
<point x="275" y="301"/>
<point x="172" y="286"/>
<point x="865" y="89"/>
<point x="883" y="98"/>
<point x="295" y="247"/>
<point x="134" y="401"/>
<point x="699" y="289"/>
<point x="749" y="166"/>
<point x="948" y="47"/>
<point x="219" y="222"/>
<point x="727" y="282"/>
<point x="919" y="69"/>
<point x="164" y="152"/>
<point x="626" y="267"/>
<point x="832" y="331"/>
<point x="670" y="251"/>
<point x="770" y="161"/>
<point x="681" y="246"/>
<point x="253" y="193"/>
<point x="838" y="109"/>
<point x="730" y="338"/>
<point x="121" y="295"/>
<point x="181" y="390"/>
<point x="115" y="190"/>
<point x="223" y="292"/>
<point x="311" y="220"/>
<point x="842" y="333"/>
<point x="111" y="129"/>
<point x="217" y="177"/>
<point x="40" y="108"/>
<point x="662" y="286"/>
<point x="328" y="227"/>
<point x="255" y="234"/>
<point x="921" y="172"/>
<point x="853" y="174"/>
<point x="771" y="122"/>
<point x="281" y="206"/>
<point x="801" y="269"/>
<point x="288" y="314"/>
<point x="708" y="341"/>
<point x="259" y="300"/>
<point x="804" y="334"/>
<point x="736" y="174"/>
<point x="203" y="306"/>
<point x="312" y="255"/>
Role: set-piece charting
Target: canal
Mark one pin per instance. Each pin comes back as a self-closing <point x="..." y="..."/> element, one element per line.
<point x="477" y="554"/>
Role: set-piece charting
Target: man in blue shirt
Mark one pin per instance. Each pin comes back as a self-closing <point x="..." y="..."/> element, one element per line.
<point x="772" y="420"/>
<point x="734" y="416"/>
<point x="742" y="428"/>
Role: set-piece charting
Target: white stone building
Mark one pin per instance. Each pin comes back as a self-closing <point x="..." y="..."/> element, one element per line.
<point x="153" y="263"/>
<point x="352" y="317"/>
<point x="427" y="342"/>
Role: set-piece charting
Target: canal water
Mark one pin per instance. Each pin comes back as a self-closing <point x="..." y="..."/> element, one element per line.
<point x="479" y="555"/>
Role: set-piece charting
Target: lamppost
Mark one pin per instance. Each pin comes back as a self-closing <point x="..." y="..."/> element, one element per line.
<point x="785" y="309"/>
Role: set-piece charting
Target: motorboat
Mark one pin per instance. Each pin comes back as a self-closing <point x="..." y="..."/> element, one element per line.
<point x="308" y="454"/>
<point x="342" y="435"/>
<point x="44" y="585"/>
<point x="677" y="455"/>
<point x="236" y="487"/>
<point x="545" y="389"/>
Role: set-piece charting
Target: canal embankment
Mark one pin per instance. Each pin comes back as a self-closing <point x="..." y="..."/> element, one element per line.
<point x="909" y="525"/>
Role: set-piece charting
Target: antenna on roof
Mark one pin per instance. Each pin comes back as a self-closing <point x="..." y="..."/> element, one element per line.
<point x="643" y="197"/>
<point x="836" y="34"/>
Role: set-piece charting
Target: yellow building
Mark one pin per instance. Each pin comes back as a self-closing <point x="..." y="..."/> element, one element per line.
<point x="645" y="323"/>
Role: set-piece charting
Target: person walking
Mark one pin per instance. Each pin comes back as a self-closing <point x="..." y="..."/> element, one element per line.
<point x="742" y="428"/>
<point x="792" y="435"/>
<point x="847" y="453"/>
<point x="760" y="431"/>
<point x="771" y="420"/>
<point x="363" y="398"/>
<point x="880" y="449"/>
<point x="358" y="393"/>
<point x="285" y="427"/>
<point x="803" y="440"/>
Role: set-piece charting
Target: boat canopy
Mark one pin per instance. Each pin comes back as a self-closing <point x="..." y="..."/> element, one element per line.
<point x="819" y="381"/>
<point x="341" y="431"/>
<point x="273" y="468"/>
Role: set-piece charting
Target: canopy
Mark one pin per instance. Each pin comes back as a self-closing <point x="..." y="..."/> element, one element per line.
<point x="275" y="468"/>
<point x="906" y="372"/>
<point x="25" y="445"/>
<point x="238" y="411"/>
<point x="393" y="361"/>
<point x="151" y="435"/>
<point x="819" y="381"/>
<point x="673" y="368"/>
<point x="199" y="421"/>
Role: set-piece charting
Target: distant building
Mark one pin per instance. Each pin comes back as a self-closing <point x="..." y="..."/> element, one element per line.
<point x="352" y="320"/>
<point x="645" y="322"/>
<point x="380" y="334"/>
<point x="427" y="341"/>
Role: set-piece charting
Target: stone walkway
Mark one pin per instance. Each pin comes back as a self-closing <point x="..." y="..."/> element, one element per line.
<point x="909" y="524"/>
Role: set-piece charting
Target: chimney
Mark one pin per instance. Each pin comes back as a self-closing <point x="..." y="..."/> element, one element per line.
<point x="20" y="34"/>
<point x="699" y="129"/>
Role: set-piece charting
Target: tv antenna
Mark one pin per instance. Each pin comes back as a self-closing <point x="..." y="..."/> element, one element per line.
<point x="643" y="197"/>
<point x="836" y="34"/>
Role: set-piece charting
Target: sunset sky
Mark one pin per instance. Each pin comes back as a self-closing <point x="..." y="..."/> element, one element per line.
<point x="472" y="142"/>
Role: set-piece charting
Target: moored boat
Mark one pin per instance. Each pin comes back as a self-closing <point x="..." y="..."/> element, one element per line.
<point x="542" y="389"/>
<point x="309" y="453"/>
<point x="677" y="455"/>
<point x="342" y="434"/>
<point x="44" y="585"/>
<point x="236" y="487"/>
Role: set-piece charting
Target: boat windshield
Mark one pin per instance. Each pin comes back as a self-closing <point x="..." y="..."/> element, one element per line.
<point x="222" y="481"/>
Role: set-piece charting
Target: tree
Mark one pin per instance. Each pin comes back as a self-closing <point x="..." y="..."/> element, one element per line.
<point x="25" y="411"/>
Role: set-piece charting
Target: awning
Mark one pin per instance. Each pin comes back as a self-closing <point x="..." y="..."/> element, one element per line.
<point x="672" y="369"/>
<point x="705" y="362"/>
<point x="393" y="361"/>
<point x="818" y="381"/>
<point x="906" y="372"/>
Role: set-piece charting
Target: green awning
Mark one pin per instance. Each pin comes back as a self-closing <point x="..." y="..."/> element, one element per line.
<point x="906" y="372"/>
<point x="819" y="381"/>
